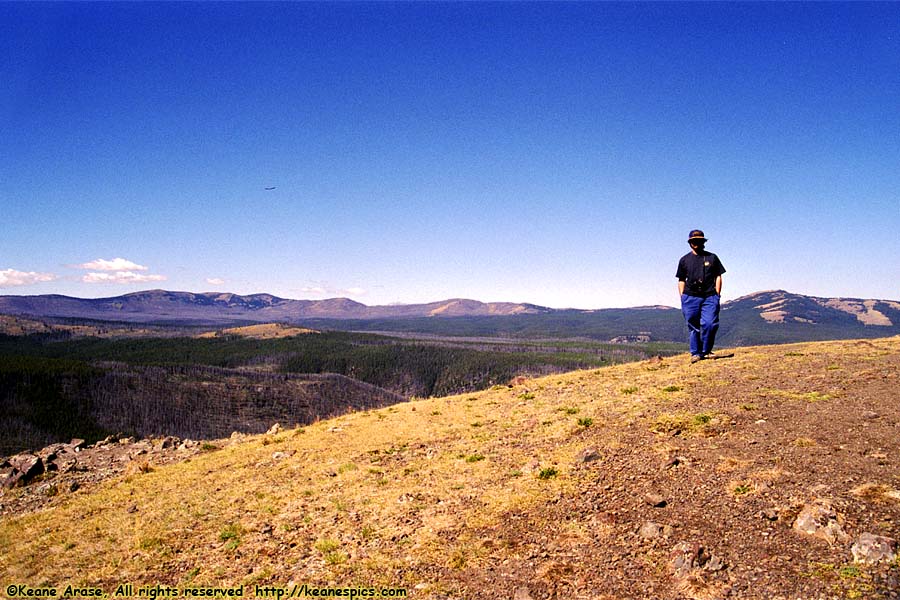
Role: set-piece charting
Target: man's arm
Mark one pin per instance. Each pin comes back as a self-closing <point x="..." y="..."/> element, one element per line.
<point x="680" y="287"/>
<point x="719" y="285"/>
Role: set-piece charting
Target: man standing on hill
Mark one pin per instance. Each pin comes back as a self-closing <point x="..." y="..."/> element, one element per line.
<point x="700" y="285"/>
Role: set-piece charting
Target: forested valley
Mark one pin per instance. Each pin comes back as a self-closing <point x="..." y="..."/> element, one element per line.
<point x="54" y="387"/>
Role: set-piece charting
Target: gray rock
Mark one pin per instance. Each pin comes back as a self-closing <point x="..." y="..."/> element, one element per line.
<point x="276" y="428"/>
<point x="49" y="462"/>
<point x="651" y="530"/>
<point x="675" y="461"/>
<point x="714" y="563"/>
<point x="770" y="514"/>
<point x="820" y="520"/>
<point x="588" y="455"/>
<point x="685" y="557"/>
<point x="105" y="441"/>
<point x="25" y="468"/>
<point x="656" y="500"/>
<point x="50" y="453"/>
<point x="870" y="549"/>
<point x="688" y="558"/>
<point x="522" y="593"/>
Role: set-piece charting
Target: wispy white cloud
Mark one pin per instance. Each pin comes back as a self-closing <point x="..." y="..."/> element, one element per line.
<point x="121" y="277"/>
<point x="215" y="281"/>
<point x="116" y="271"/>
<point x="116" y="264"/>
<point x="318" y="291"/>
<point x="14" y="278"/>
<point x="327" y="290"/>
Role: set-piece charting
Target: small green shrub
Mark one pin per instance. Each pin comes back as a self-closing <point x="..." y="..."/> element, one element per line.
<point x="548" y="473"/>
<point x="849" y="571"/>
<point x="741" y="489"/>
<point x="329" y="549"/>
<point x="231" y="535"/>
<point x="326" y="545"/>
<point x="230" y="532"/>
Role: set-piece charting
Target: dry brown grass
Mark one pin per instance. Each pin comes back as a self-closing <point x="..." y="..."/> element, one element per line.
<point x="876" y="492"/>
<point x="263" y="331"/>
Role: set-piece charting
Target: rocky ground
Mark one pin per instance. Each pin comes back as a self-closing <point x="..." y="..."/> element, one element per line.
<point x="33" y="481"/>
<point x="778" y="484"/>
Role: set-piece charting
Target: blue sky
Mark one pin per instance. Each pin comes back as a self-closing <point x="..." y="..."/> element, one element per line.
<point x="541" y="152"/>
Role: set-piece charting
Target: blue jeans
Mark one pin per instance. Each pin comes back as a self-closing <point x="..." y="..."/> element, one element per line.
<point x="702" y="318"/>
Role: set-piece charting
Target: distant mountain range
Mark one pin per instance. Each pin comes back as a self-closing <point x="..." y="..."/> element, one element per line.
<point x="215" y="307"/>
<point x="780" y="317"/>
<point x="759" y="318"/>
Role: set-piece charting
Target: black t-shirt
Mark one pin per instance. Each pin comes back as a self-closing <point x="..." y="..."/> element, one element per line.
<point x="699" y="272"/>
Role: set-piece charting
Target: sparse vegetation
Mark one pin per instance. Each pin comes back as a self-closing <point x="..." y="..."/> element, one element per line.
<point x="231" y="535"/>
<point x="547" y="473"/>
<point x="329" y="548"/>
<point x="804" y="442"/>
<point x="682" y="423"/>
<point x="741" y="489"/>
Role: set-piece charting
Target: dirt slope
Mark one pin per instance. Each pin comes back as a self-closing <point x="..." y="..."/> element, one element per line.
<point x="658" y="479"/>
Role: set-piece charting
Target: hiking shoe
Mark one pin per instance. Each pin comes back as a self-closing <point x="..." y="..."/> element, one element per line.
<point x="696" y="358"/>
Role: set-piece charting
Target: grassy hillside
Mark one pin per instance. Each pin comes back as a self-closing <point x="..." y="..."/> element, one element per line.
<point x="496" y="494"/>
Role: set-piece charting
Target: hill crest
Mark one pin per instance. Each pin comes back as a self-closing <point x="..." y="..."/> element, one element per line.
<point x="778" y="306"/>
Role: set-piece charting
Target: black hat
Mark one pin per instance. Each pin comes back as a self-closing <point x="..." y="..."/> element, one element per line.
<point x="696" y="234"/>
